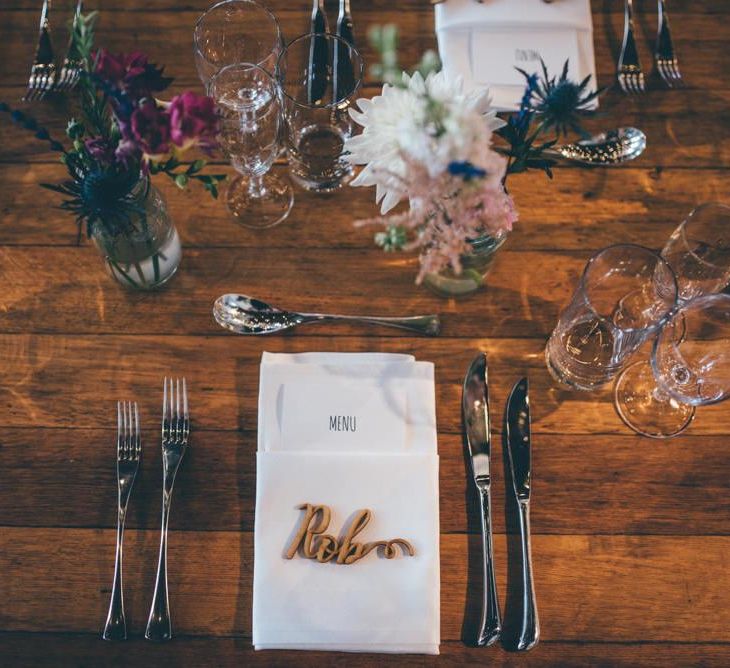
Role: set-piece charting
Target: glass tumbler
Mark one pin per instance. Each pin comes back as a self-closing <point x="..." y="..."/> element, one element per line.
<point x="249" y="105"/>
<point x="236" y="31"/>
<point x="699" y="251"/>
<point x="319" y="75"/>
<point x="625" y="293"/>
<point x="657" y="398"/>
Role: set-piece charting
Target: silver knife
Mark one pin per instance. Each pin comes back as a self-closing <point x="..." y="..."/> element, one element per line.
<point x="517" y="435"/>
<point x="475" y="412"/>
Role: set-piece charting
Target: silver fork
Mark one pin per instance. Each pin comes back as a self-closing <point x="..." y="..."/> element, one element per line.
<point x="43" y="72"/>
<point x="71" y="68"/>
<point x="129" y="453"/>
<point x="175" y="431"/>
<point x="665" y="58"/>
<point x="629" y="74"/>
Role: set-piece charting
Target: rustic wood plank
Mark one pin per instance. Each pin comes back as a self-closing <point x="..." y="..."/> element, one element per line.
<point x="222" y="373"/>
<point x="31" y="650"/>
<point x="586" y="485"/>
<point x="578" y="210"/>
<point x="581" y="582"/>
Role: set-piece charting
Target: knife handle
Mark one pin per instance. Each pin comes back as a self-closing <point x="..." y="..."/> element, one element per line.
<point x="529" y="629"/>
<point x="490" y="625"/>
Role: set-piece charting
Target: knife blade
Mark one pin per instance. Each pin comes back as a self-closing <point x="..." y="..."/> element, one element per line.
<point x="318" y="65"/>
<point x="519" y="456"/>
<point x="343" y="72"/>
<point x="475" y="412"/>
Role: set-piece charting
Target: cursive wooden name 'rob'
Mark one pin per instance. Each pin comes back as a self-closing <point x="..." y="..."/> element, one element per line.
<point x="316" y="544"/>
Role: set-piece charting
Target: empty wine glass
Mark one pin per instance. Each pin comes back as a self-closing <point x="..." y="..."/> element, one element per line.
<point x="624" y="294"/>
<point x="657" y="398"/>
<point x="320" y="75"/>
<point x="699" y="251"/>
<point x="249" y="105"/>
<point x="236" y="31"/>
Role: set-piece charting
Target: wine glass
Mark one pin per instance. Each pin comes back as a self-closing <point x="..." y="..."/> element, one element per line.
<point x="624" y="294"/>
<point x="236" y="31"/>
<point x="249" y="106"/>
<point x="320" y="75"/>
<point x="658" y="398"/>
<point x="699" y="251"/>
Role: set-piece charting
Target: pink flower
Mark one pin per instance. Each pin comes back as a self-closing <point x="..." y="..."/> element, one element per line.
<point x="150" y="130"/>
<point x="193" y="121"/>
<point x="131" y="73"/>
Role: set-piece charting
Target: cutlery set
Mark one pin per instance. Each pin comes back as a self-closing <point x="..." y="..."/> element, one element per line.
<point x="475" y="410"/>
<point x="43" y="78"/>
<point x="175" y="433"/>
<point x="629" y="73"/>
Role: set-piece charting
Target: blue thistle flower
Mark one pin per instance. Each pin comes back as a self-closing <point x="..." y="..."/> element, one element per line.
<point x="466" y="170"/>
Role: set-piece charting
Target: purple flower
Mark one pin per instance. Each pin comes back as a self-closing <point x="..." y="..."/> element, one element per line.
<point x="150" y="130"/>
<point x="193" y="121"/>
<point x="130" y="73"/>
<point x="100" y="149"/>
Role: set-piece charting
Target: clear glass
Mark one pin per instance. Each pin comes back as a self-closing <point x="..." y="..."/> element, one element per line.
<point x="699" y="251"/>
<point x="624" y="295"/>
<point x="236" y="31"/>
<point x="320" y="75"/>
<point x="249" y="105"/>
<point x="146" y="253"/>
<point x="475" y="268"/>
<point x="689" y="367"/>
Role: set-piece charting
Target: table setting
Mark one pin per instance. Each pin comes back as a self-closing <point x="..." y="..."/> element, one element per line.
<point x="438" y="296"/>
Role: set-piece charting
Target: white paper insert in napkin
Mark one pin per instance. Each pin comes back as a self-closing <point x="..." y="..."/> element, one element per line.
<point x="352" y="416"/>
<point x="479" y="41"/>
<point x="375" y="604"/>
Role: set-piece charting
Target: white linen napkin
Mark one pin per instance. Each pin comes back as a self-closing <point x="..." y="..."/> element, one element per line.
<point x="388" y="465"/>
<point x="483" y="42"/>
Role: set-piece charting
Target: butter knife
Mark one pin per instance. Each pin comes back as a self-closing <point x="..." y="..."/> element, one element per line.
<point x="517" y="436"/>
<point x="475" y="412"/>
<point x="344" y="75"/>
<point x="317" y="74"/>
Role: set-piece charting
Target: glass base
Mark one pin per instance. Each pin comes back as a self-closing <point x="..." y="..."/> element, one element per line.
<point x="256" y="211"/>
<point x="645" y="408"/>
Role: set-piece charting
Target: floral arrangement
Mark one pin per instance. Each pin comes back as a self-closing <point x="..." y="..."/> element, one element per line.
<point x="445" y="150"/>
<point x="124" y="134"/>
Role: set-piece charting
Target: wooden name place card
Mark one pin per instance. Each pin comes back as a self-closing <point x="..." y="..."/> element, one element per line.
<point x="313" y="543"/>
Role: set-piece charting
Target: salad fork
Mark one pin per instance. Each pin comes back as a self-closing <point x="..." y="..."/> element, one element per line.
<point x="665" y="58"/>
<point x="175" y="431"/>
<point x="43" y="72"/>
<point x="71" y="68"/>
<point x="129" y="453"/>
<point x="630" y="76"/>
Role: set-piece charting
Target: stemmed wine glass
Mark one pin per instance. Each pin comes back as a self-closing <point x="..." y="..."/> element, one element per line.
<point x="699" y="251"/>
<point x="249" y="105"/>
<point x="688" y="368"/>
<point x="236" y="31"/>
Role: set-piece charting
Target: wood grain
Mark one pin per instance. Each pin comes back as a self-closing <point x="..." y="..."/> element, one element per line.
<point x="210" y="584"/>
<point x="631" y="535"/>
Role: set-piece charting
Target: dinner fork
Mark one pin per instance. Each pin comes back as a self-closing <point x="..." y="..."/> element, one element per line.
<point x="43" y="71"/>
<point x="129" y="453"/>
<point x="175" y="431"/>
<point x="665" y="58"/>
<point x="629" y="74"/>
<point x="71" y="68"/>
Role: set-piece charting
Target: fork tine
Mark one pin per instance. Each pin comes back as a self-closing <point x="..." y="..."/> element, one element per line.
<point x="130" y="432"/>
<point x="164" y="408"/>
<point x="137" y="436"/>
<point x="119" y="429"/>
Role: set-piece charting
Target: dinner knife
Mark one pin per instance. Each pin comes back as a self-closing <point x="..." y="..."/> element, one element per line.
<point x="318" y="55"/>
<point x="475" y="412"/>
<point x="517" y="436"/>
<point x="343" y="73"/>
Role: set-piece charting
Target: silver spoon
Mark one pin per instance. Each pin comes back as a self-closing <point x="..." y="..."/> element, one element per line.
<point x="246" y="315"/>
<point x="608" y="148"/>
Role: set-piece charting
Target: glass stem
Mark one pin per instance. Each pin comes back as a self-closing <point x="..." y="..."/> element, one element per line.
<point x="256" y="185"/>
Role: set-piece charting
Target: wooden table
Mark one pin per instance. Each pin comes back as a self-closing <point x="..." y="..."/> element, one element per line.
<point x="631" y="536"/>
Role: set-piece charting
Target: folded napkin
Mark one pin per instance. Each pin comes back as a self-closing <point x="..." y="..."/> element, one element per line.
<point x="351" y="432"/>
<point x="484" y="42"/>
